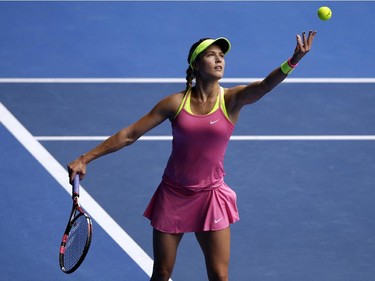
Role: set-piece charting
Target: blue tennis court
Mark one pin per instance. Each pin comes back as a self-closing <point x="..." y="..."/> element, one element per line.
<point x="300" y="160"/>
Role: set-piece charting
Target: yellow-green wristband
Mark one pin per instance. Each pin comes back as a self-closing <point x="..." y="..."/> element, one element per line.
<point x="287" y="67"/>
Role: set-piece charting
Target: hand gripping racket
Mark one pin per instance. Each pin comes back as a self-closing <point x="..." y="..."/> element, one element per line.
<point x="77" y="236"/>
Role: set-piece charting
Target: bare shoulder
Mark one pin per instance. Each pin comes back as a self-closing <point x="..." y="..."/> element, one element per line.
<point x="231" y="95"/>
<point x="241" y="95"/>
<point x="170" y="104"/>
<point x="234" y="90"/>
<point x="175" y="98"/>
<point x="173" y="101"/>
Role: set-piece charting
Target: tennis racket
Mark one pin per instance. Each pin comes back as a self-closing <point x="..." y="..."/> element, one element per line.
<point x="77" y="236"/>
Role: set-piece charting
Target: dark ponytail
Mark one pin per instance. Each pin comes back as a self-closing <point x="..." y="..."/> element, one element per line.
<point x="190" y="74"/>
<point x="189" y="78"/>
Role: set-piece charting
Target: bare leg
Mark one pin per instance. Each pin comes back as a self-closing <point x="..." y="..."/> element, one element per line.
<point x="216" y="248"/>
<point x="165" y="248"/>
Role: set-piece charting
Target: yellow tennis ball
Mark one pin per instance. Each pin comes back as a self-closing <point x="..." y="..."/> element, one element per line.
<point x="324" y="13"/>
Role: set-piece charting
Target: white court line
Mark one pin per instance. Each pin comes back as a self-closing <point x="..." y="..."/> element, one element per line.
<point x="60" y="175"/>
<point x="233" y="138"/>
<point x="178" y="80"/>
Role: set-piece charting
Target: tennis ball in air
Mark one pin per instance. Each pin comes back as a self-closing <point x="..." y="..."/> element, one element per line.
<point x="324" y="13"/>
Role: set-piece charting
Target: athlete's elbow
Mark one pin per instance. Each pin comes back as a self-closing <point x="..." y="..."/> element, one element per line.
<point x="127" y="137"/>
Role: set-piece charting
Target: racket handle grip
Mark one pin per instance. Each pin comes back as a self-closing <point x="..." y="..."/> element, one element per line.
<point x="76" y="185"/>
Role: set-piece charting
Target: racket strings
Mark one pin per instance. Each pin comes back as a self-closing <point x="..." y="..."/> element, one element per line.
<point x="77" y="242"/>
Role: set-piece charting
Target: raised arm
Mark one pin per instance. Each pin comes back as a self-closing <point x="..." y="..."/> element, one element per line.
<point x="165" y="109"/>
<point x="246" y="94"/>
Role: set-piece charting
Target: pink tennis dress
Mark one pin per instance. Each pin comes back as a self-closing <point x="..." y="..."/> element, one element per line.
<point x="192" y="196"/>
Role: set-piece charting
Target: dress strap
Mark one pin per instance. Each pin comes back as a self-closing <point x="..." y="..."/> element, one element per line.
<point x="187" y="93"/>
<point x="187" y="107"/>
<point x="222" y="103"/>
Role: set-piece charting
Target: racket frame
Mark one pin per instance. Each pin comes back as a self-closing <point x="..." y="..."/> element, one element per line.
<point x="75" y="214"/>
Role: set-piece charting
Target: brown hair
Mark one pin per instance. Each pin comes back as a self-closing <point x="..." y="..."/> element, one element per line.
<point x="190" y="75"/>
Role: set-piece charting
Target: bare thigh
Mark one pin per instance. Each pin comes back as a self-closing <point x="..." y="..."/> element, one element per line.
<point x="216" y="249"/>
<point x="165" y="249"/>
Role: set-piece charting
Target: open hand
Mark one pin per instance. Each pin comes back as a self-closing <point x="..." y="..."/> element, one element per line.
<point x="303" y="46"/>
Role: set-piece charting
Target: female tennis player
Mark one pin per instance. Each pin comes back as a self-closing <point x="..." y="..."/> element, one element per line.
<point x="192" y="196"/>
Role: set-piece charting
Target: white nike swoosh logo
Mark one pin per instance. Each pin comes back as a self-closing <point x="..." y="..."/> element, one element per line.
<point x="213" y="122"/>
<point x="216" y="221"/>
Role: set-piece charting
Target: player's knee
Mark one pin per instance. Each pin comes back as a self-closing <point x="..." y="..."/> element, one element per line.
<point x="220" y="275"/>
<point x="161" y="274"/>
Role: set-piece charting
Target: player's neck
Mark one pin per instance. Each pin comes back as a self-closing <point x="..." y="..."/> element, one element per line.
<point x="206" y="91"/>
